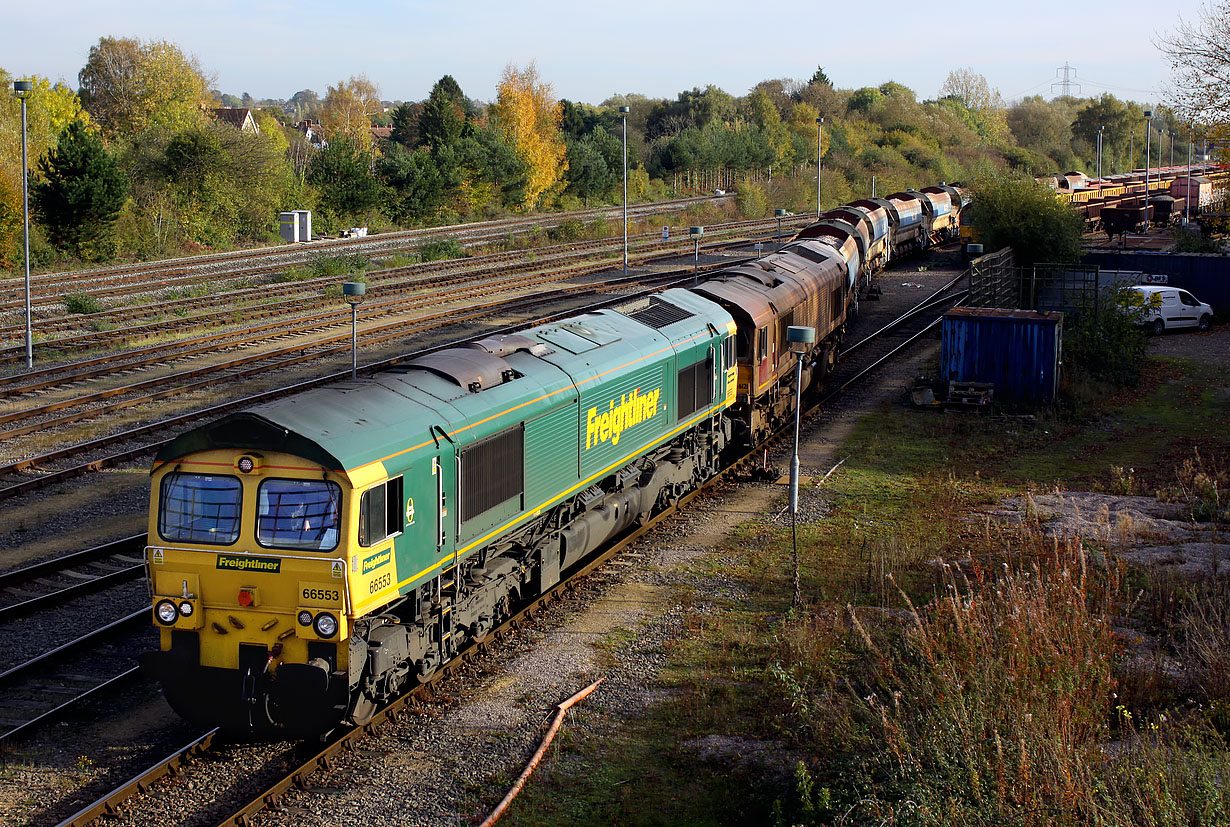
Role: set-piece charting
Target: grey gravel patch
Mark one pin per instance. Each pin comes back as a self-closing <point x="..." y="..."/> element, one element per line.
<point x="1140" y="530"/>
<point x="1190" y="559"/>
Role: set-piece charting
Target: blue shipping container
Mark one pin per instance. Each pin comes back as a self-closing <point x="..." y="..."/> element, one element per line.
<point x="1016" y="350"/>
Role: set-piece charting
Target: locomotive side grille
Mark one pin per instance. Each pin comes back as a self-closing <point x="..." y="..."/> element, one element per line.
<point x="492" y="472"/>
<point x="695" y="387"/>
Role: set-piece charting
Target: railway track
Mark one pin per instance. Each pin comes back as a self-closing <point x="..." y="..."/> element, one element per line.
<point x="499" y="274"/>
<point x="336" y="344"/>
<point x="48" y="684"/>
<point x="312" y="760"/>
<point x="185" y="270"/>
<point x="262" y="300"/>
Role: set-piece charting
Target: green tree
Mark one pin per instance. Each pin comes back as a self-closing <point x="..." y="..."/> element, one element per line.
<point x="129" y="86"/>
<point x="1011" y="209"/>
<point x="443" y="119"/>
<point x="1117" y="120"/>
<point x="81" y="195"/>
<point x="405" y="122"/>
<point x="341" y="173"/>
<point x="417" y="188"/>
<point x="589" y="175"/>
<point x="49" y="110"/>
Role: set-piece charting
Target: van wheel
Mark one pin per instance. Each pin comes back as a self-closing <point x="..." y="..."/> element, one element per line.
<point x="1205" y="322"/>
<point x="1159" y="327"/>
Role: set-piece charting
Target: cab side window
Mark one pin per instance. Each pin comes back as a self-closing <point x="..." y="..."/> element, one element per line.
<point x="380" y="512"/>
<point x="1188" y="299"/>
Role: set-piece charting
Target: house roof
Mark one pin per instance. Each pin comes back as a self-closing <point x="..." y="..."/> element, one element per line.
<point x="238" y="118"/>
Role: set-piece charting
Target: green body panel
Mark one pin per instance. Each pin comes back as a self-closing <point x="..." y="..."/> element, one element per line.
<point x="414" y="423"/>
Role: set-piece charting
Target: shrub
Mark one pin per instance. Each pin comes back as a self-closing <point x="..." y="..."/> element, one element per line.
<point x="83" y="304"/>
<point x="568" y="230"/>
<point x="439" y="249"/>
<point x="752" y="200"/>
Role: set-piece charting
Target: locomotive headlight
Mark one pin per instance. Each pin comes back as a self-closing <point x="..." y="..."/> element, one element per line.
<point x="185" y="609"/>
<point x="305" y="618"/>
<point x="325" y="624"/>
<point x="166" y="612"/>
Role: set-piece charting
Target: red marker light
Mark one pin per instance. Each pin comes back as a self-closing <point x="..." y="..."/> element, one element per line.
<point x="245" y="597"/>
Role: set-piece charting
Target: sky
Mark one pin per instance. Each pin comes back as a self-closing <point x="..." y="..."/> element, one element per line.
<point x="275" y="48"/>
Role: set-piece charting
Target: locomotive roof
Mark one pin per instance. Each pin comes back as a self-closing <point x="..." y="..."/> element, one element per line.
<point x="460" y="394"/>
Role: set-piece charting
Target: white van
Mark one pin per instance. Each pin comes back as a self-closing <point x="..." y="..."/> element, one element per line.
<point x="1169" y="307"/>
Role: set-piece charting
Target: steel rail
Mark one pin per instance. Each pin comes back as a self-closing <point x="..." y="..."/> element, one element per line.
<point x="651" y="248"/>
<point x="493" y="228"/>
<point x="114" y="459"/>
<point x="14" y="577"/>
<point x="107" y="805"/>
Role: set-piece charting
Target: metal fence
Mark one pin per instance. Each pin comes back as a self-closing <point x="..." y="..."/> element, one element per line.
<point x="995" y="281"/>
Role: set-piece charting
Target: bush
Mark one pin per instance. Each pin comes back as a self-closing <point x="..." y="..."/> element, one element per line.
<point x="330" y="266"/>
<point x="82" y="304"/>
<point x="439" y="249"/>
<point x="569" y="230"/>
<point x="1107" y="345"/>
<point x="1014" y="210"/>
<point x="1187" y="241"/>
<point x="752" y="200"/>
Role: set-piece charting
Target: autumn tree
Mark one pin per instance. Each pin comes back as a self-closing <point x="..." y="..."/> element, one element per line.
<point x="981" y="106"/>
<point x="528" y="116"/>
<point x="129" y="86"/>
<point x="348" y="109"/>
<point x="1199" y="54"/>
<point x="971" y="89"/>
<point x="81" y="194"/>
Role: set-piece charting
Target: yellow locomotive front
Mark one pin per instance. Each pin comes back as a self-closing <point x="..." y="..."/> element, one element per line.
<point x="250" y="589"/>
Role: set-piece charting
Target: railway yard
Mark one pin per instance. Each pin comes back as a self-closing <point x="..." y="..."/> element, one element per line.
<point x="170" y="348"/>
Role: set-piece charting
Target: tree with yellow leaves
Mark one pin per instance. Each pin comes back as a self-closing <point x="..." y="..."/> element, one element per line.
<point x="348" y="109"/>
<point x="528" y="115"/>
<point x="129" y="86"/>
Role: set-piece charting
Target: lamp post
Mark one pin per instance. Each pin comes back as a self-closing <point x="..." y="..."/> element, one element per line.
<point x="1187" y="194"/>
<point x="623" y="112"/>
<point x="819" y="163"/>
<point x="1132" y="151"/>
<point x="779" y="214"/>
<point x="696" y="233"/>
<point x="1148" y="160"/>
<point x="22" y="89"/>
<point x="800" y="340"/>
<point x="1100" y="128"/>
<point x="353" y="292"/>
